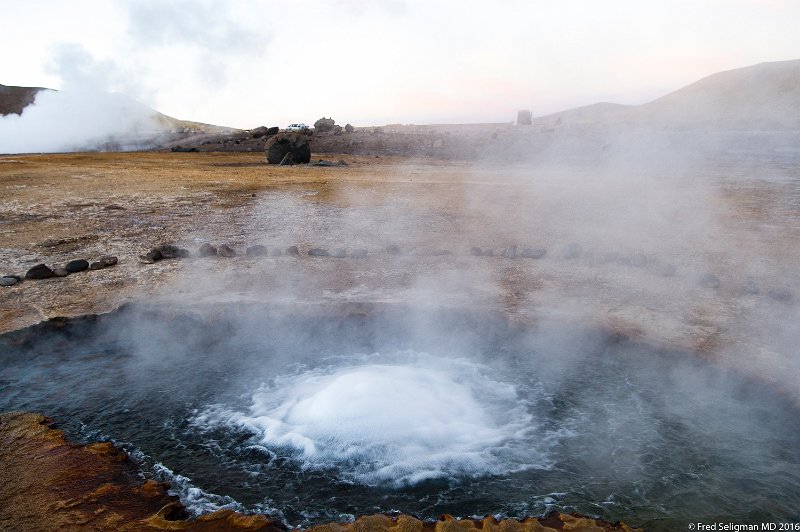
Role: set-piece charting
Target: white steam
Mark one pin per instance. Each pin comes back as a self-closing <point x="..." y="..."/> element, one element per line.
<point x="79" y="120"/>
<point x="395" y="423"/>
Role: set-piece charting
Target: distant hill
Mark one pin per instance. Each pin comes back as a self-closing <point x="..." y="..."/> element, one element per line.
<point x="755" y="98"/>
<point x="14" y="99"/>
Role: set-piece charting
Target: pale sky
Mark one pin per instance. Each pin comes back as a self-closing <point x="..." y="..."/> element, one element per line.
<point x="272" y="62"/>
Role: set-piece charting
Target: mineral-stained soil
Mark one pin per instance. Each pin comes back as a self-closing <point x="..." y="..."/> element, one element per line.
<point x="50" y="484"/>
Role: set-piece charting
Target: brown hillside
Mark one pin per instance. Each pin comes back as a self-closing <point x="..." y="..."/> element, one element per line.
<point x="14" y="99"/>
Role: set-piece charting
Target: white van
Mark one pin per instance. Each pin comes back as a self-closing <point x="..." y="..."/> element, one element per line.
<point x="297" y="127"/>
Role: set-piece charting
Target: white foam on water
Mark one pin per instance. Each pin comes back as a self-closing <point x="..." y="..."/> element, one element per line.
<point x="396" y="423"/>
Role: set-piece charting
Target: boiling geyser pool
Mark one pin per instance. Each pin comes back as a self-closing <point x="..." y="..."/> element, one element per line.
<point x="318" y="414"/>
<point x="416" y="419"/>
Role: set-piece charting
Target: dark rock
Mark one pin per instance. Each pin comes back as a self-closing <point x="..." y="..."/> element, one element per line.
<point x="114" y="207"/>
<point x="278" y="146"/>
<point x="181" y="149"/>
<point x="360" y="253"/>
<point x="256" y="251"/>
<point x="273" y="130"/>
<point x="708" y="280"/>
<point x="60" y="272"/>
<point x="275" y="252"/>
<point x="259" y="132"/>
<point x="339" y="253"/>
<point x="293" y="251"/>
<point x="348" y="128"/>
<point x="207" y="250"/>
<point x="573" y="251"/>
<point x="8" y="281"/>
<point x="510" y="252"/>
<point x="441" y="252"/>
<point x="171" y="251"/>
<point x="318" y="252"/>
<point x="393" y="250"/>
<point x="146" y="259"/>
<point x="475" y="251"/>
<point x="341" y="162"/>
<point x="225" y="250"/>
<point x="287" y="160"/>
<point x="784" y="295"/>
<point x="154" y="254"/>
<point x="40" y="271"/>
<point x="323" y="162"/>
<point x="111" y="260"/>
<point x="77" y="265"/>
<point x="97" y="265"/>
<point x="533" y="253"/>
<point x="488" y="252"/>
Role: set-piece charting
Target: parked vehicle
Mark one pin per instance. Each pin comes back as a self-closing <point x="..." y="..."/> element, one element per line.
<point x="297" y="127"/>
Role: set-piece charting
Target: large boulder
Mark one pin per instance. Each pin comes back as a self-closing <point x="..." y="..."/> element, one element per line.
<point x="282" y="144"/>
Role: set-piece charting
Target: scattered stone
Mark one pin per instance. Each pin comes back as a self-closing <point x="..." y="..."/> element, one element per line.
<point x="224" y="250"/>
<point x="476" y="252"/>
<point x="360" y="253"/>
<point x="784" y="295"/>
<point x="96" y="265"/>
<point x="146" y="259"/>
<point x="293" y="251"/>
<point x="60" y="271"/>
<point x="708" y="280"/>
<point x="77" y="265"/>
<point x="40" y="271"/>
<point x="441" y="252"/>
<point x="533" y="253"/>
<point x="8" y="280"/>
<point x="573" y="251"/>
<point x="278" y="146"/>
<point x="638" y="261"/>
<point x="154" y="254"/>
<point x="318" y="252"/>
<point x="510" y="252"/>
<point x="207" y="250"/>
<point x="339" y="253"/>
<point x="259" y="132"/>
<point x="488" y="252"/>
<point x="256" y="251"/>
<point x="323" y="162"/>
<point x="109" y="260"/>
<point x="342" y="162"/>
<point x="114" y="207"/>
<point x="393" y="249"/>
<point x="171" y="251"/>
<point x="276" y="252"/>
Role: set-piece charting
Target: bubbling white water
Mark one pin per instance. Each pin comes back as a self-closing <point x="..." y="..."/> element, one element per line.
<point x="396" y="423"/>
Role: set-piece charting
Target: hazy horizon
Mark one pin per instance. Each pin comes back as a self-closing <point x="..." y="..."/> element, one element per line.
<point x="249" y="63"/>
